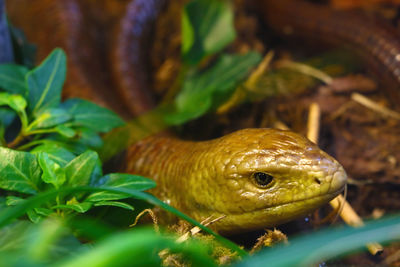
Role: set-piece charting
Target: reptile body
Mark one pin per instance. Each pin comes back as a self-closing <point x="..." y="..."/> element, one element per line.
<point x="254" y="177"/>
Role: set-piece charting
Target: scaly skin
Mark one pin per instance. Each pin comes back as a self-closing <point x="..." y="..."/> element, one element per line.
<point x="215" y="177"/>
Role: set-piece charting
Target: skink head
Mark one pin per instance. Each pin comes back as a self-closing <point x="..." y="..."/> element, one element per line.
<point x="265" y="177"/>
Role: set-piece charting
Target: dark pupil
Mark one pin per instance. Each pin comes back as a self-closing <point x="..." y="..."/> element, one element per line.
<point x="262" y="179"/>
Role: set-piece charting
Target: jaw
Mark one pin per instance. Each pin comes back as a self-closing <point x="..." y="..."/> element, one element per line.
<point x="269" y="217"/>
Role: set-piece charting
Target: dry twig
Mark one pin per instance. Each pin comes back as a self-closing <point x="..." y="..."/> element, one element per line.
<point x="365" y="101"/>
<point x="347" y="213"/>
<point x="153" y="217"/>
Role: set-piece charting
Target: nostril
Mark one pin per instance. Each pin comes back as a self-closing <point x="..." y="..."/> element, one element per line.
<point x="318" y="181"/>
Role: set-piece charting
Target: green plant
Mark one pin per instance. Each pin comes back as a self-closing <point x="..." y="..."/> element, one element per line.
<point x="202" y="89"/>
<point x="50" y="170"/>
<point x="60" y="134"/>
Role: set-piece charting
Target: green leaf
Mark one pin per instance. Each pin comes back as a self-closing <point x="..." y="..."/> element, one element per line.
<point x="24" y="52"/>
<point x="119" y="180"/>
<point x="97" y="173"/>
<point x="19" y="171"/>
<point x="187" y="33"/>
<point x="310" y="249"/>
<point x="115" y="204"/>
<point x="13" y="200"/>
<point x="50" y="117"/>
<point x="78" y="207"/>
<point x="70" y="144"/>
<point x="45" y="82"/>
<point x="207" y="28"/>
<point x="53" y="173"/>
<point x="33" y="216"/>
<point x="12" y="78"/>
<point x="92" y="116"/>
<point x="55" y="152"/>
<point x="9" y="214"/>
<point x="89" y="138"/>
<point x="16" y="102"/>
<point x="65" y="131"/>
<point x="139" y="248"/>
<point x="43" y="211"/>
<point x="79" y="170"/>
<point x="204" y="90"/>
<point x="26" y="244"/>
<point x="13" y="236"/>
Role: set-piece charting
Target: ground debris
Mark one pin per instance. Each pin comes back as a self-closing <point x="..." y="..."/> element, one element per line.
<point x="269" y="239"/>
<point x="221" y="254"/>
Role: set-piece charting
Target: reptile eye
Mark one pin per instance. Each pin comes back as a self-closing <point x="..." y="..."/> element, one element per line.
<point x="262" y="179"/>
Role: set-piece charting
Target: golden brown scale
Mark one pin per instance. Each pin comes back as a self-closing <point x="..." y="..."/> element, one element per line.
<point x="214" y="178"/>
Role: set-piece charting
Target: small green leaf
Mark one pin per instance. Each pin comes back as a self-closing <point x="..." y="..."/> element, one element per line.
<point x="92" y="116"/>
<point x="45" y="82"/>
<point x="187" y="33"/>
<point x="19" y="171"/>
<point x="204" y="90"/>
<point x="115" y="204"/>
<point x="119" y="180"/>
<point x="12" y="78"/>
<point x="50" y="117"/>
<point x="97" y="173"/>
<point x="24" y="51"/>
<point x="43" y="211"/>
<point x="89" y="138"/>
<point x="70" y="144"/>
<point x="13" y="200"/>
<point x="33" y="216"/>
<point x="52" y="172"/>
<point x="79" y="170"/>
<point x="16" y="102"/>
<point x="207" y="28"/>
<point x="65" y="131"/>
<point x="56" y="152"/>
<point x="78" y="207"/>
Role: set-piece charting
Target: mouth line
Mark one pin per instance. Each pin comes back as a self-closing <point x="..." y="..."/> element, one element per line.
<point x="326" y="195"/>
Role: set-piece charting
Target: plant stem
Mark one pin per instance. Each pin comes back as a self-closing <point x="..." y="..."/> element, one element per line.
<point x="16" y="141"/>
<point x="24" y="120"/>
<point x="41" y="131"/>
<point x="21" y="135"/>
